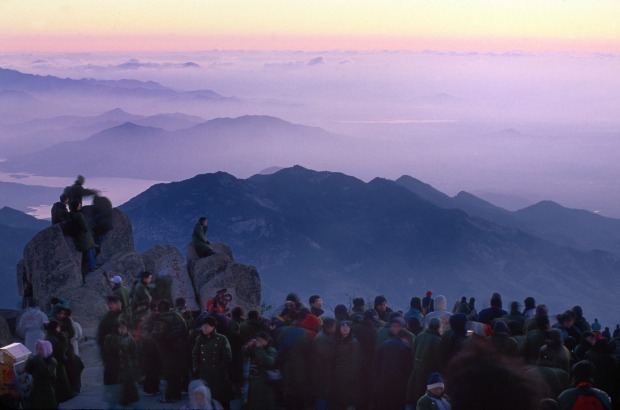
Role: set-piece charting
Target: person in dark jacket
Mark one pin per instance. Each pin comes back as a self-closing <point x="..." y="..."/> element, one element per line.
<point x="199" y="238"/>
<point x="428" y="303"/>
<point x="211" y="358"/>
<point x="262" y="358"/>
<point x="81" y="236"/>
<point x="582" y="378"/>
<point x="427" y="358"/>
<point x="323" y="352"/>
<point x="535" y="337"/>
<point x="347" y="368"/>
<point x="501" y="340"/>
<point x="42" y="367"/>
<point x="393" y="364"/>
<point x="120" y="353"/>
<point x="102" y="214"/>
<point x="60" y="213"/>
<point x="77" y="191"/>
<point x="60" y="349"/>
<point x="453" y="340"/>
<point x="434" y="397"/>
<point x="493" y="312"/>
<point x="382" y="309"/>
<point x="124" y="296"/>
<point x="606" y="375"/>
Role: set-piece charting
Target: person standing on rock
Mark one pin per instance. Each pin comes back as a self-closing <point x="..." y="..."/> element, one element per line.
<point x="77" y="191"/>
<point x="199" y="238"/>
<point x="60" y="213"/>
<point x="82" y="237"/>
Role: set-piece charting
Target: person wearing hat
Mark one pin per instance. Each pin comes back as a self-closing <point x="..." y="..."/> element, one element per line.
<point x="582" y="378"/>
<point x="554" y="350"/>
<point x="60" y="212"/>
<point x="382" y="309"/>
<point x="42" y="366"/>
<point x="211" y="358"/>
<point x="141" y="300"/>
<point x="262" y="356"/>
<point x="434" y="397"/>
<point x="123" y="294"/>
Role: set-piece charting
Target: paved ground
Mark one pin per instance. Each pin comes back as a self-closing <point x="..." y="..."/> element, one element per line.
<point x="91" y="396"/>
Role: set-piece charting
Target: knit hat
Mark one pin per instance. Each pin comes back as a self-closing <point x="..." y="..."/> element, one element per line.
<point x="434" y="380"/>
<point x="45" y="346"/>
<point x="116" y="279"/>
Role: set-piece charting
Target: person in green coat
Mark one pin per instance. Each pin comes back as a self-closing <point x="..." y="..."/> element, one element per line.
<point x="262" y="357"/>
<point x="141" y="300"/>
<point x="123" y="294"/>
<point x="427" y="358"/>
<point x="323" y="354"/>
<point x="42" y="367"/>
<point x="211" y="358"/>
<point x="347" y="368"/>
<point x="121" y="352"/>
<point x="199" y="238"/>
<point x="60" y="349"/>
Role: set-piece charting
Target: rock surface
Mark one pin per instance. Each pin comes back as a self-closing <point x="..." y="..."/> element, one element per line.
<point x="54" y="268"/>
<point x="5" y="333"/>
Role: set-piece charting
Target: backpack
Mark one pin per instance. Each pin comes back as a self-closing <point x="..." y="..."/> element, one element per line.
<point x="586" y="400"/>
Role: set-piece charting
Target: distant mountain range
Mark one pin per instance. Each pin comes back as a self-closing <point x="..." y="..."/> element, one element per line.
<point x="332" y="234"/>
<point x="140" y="151"/>
<point x="16" y="229"/>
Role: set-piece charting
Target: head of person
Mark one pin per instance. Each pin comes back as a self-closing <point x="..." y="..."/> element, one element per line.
<point x="53" y="326"/>
<point x="458" y="322"/>
<point x="396" y="325"/>
<point x="237" y="313"/>
<point x="582" y="372"/>
<point x="316" y="301"/>
<point x="80" y="180"/>
<point x="553" y="338"/>
<point x="263" y="338"/>
<point x="293" y="297"/>
<point x="253" y="315"/>
<point x="208" y="325"/>
<point x="359" y="303"/>
<point x="434" y="324"/>
<point x="123" y="328"/>
<point x="416" y="303"/>
<point x="440" y="302"/>
<point x="481" y="378"/>
<point x="203" y="221"/>
<point x="116" y="280"/>
<point x="329" y="325"/>
<point x="146" y="277"/>
<point x="530" y="303"/>
<point x="180" y="303"/>
<point x="588" y="337"/>
<point x="381" y="304"/>
<point x="514" y="306"/>
<point x="200" y="395"/>
<point x="163" y="306"/>
<point x="578" y="311"/>
<point x="114" y="303"/>
<point x="435" y="385"/>
<point x="345" y="328"/>
<point x="341" y="312"/>
<point x="496" y="300"/>
<point x="566" y="319"/>
<point x="43" y="348"/>
<point x="541" y="317"/>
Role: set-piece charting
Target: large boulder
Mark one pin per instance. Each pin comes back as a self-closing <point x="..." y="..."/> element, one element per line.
<point x="167" y="261"/>
<point x="220" y="271"/>
<point x="117" y="240"/>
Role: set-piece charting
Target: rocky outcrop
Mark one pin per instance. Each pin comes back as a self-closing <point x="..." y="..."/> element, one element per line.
<point x="220" y="271"/>
<point x="53" y="267"/>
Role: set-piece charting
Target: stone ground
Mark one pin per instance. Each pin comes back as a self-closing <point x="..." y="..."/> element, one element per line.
<point x="91" y="396"/>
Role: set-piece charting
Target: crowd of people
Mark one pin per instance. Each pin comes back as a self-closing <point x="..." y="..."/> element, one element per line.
<point x="365" y="356"/>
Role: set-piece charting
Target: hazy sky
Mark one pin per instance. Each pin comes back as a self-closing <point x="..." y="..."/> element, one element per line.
<point x="172" y="25"/>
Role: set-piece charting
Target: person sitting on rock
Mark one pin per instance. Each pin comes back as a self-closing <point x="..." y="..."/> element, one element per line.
<point x="199" y="238"/>
<point x="60" y="212"/>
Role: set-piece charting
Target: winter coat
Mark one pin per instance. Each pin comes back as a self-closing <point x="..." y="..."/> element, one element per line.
<point x="323" y="353"/>
<point x="76" y="192"/>
<point x="430" y="402"/>
<point x="60" y="213"/>
<point x="293" y="344"/>
<point x="43" y="373"/>
<point x="121" y="353"/>
<point x="123" y="294"/>
<point x="199" y="240"/>
<point x="107" y="325"/>
<point x="427" y="358"/>
<point x="567" y="399"/>
<point x="557" y="356"/>
<point x="606" y="373"/>
<point x="211" y="358"/>
<point x="504" y="344"/>
<point x="487" y="315"/>
<point x="534" y="340"/>
<point x="81" y="236"/>
<point x="261" y="394"/>
<point x="30" y="327"/>
<point x="348" y="372"/>
<point x="393" y="364"/>
<point x="60" y="349"/>
<point x="556" y="380"/>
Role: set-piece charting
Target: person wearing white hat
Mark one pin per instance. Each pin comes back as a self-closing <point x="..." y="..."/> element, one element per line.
<point x="123" y="294"/>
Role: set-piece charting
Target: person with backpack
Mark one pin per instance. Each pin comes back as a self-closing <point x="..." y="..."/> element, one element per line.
<point x="582" y="395"/>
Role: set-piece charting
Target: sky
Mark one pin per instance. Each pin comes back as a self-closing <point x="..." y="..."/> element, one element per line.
<point x="191" y="25"/>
